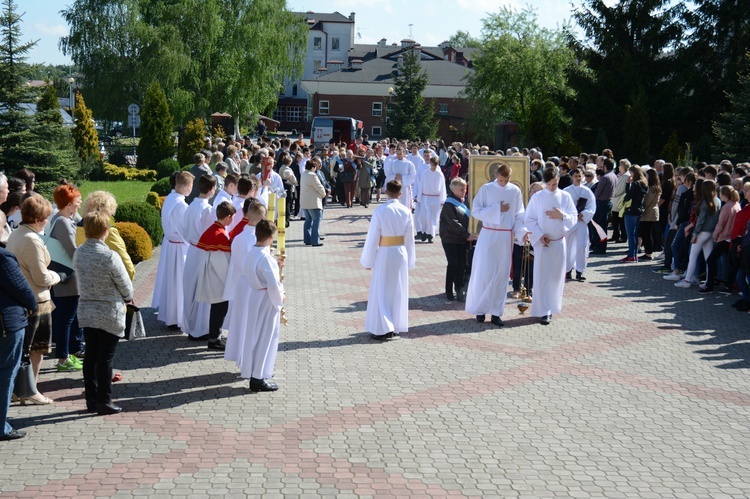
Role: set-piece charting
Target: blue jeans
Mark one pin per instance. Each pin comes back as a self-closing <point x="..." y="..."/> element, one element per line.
<point x="11" y="347"/>
<point x="679" y="238"/>
<point x="66" y="308"/>
<point x="631" y="227"/>
<point x="744" y="282"/>
<point x="311" y="230"/>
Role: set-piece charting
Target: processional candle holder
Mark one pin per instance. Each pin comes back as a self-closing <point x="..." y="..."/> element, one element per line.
<point x="523" y="305"/>
<point x="281" y="242"/>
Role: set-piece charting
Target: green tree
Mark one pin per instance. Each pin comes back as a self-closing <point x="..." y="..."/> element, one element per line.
<point x="193" y="139"/>
<point x="463" y="39"/>
<point x="156" y="141"/>
<point x="520" y="75"/>
<point x="732" y="129"/>
<point x="411" y="115"/>
<point x="635" y="132"/>
<point x="47" y="107"/>
<point x="85" y="135"/>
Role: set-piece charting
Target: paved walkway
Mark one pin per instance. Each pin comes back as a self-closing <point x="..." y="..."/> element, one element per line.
<point x="638" y="389"/>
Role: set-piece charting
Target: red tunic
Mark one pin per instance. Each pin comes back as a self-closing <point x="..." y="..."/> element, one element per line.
<point x="215" y="239"/>
<point x="237" y="229"/>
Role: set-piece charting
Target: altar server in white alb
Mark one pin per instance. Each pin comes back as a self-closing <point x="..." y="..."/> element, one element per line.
<point x="577" y="238"/>
<point x="431" y="195"/>
<point x="550" y="215"/>
<point x="499" y="206"/>
<point x="389" y="252"/>
<point x="404" y="171"/>
<point x="198" y="218"/>
<point x="168" y="287"/>
<point x="422" y="164"/>
<point x="261" y="336"/>
<point x="236" y="290"/>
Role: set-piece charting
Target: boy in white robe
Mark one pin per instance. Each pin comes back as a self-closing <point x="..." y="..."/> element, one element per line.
<point x="236" y="290"/>
<point x="421" y="164"/>
<point x="431" y="195"/>
<point x="168" y="287"/>
<point x="499" y="206"/>
<point x="389" y="252"/>
<point x="577" y="238"/>
<point x="549" y="216"/>
<point x="261" y="339"/>
<point x="228" y="192"/>
<point x="404" y="171"/>
<point x="213" y="266"/>
<point x="198" y="217"/>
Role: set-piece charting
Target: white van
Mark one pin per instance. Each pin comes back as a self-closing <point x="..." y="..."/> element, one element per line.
<point x="338" y="128"/>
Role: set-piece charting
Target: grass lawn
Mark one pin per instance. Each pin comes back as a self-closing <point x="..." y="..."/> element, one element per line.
<point x="122" y="190"/>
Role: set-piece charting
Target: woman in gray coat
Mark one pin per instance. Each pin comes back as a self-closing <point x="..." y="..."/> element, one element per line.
<point x="105" y="289"/>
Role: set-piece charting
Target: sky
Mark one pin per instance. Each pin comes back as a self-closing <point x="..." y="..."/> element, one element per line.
<point x="431" y="21"/>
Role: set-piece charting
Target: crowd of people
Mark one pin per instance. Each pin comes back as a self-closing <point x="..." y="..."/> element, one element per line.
<point x="66" y="275"/>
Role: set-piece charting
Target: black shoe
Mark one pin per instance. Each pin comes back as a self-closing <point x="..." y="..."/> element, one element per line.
<point x="106" y="409"/>
<point x="382" y="337"/>
<point x="419" y="236"/>
<point x="497" y="321"/>
<point x="198" y="338"/>
<point x="546" y="320"/>
<point x="13" y="435"/>
<point x="91" y="406"/>
<point x="173" y="327"/>
<point x="725" y="290"/>
<point x="316" y="245"/>
<point x="217" y="344"/>
<point x="461" y="295"/>
<point x="321" y="238"/>
<point x="262" y="385"/>
<point x="450" y="296"/>
<point x="429" y="239"/>
<point x="705" y="291"/>
<point x="480" y="318"/>
<point x="81" y="354"/>
<point x="579" y="276"/>
<point x="569" y="275"/>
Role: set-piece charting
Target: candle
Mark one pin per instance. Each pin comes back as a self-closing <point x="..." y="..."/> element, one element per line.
<point x="281" y="207"/>
<point x="271" y="212"/>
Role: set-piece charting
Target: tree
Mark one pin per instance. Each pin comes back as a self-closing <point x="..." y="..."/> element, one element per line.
<point x="411" y="115"/>
<point x="732" y="129"/>
<point x="234" y="63"/>
<point x="85" y="135"/>
<point x="193" y="140"/>
<point x="636" y="143"/>
<point x="47" y="107"/>
<point x="464" y="39"/>
<point x="629" y="47"/>
<point x="156" y="141"/>
<point x="520" y="75"/>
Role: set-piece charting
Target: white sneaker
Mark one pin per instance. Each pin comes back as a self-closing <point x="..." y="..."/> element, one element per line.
<point x="683" y="284"/>
<point x="672" y="277"/>
<point x="660" y="256"/>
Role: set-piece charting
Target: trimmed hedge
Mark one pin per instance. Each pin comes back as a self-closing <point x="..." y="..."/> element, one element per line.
<point x="167" y="167"/>
<point x="136" y="240"/>
<point x="143" y="214"/>
<point x="162" y="187"/>
<point x="154" y="200"/>
<point x="112" y="172"/>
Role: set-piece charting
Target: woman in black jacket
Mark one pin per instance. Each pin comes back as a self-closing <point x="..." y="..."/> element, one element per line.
<point x="635" y="193"/>
<point x="16" y="300"/>
<point x="455" y="236"/>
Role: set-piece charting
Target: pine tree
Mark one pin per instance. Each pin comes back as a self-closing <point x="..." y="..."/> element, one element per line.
<point x="411" y="115"/>
<point x="48" y="108"/>
<point x="635" y="131"/>
<point x="193" y="139"/>
<point x="84" y="134"/>
<point x="733" y="127"/>
<point x="157" y="124"/>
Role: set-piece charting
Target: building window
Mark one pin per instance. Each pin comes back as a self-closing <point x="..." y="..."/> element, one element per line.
<point x="323" y="107"/>
<point x="442" y="108"/>
<point x="377" y="131"/>
<point x="278" y="114"/>
<point x="318" y="43"/>
<point x="377" y="109"/>
<point x="334" y="43"/>
<point x="294" y="114"/>
<point x="294" y="90"/>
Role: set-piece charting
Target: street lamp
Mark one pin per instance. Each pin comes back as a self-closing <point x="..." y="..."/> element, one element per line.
<point x="71" y="101"/>
<point x="388" y="109"/>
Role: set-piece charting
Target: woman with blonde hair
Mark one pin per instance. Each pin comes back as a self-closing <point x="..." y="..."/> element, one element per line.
<point x="708" y="219"/>
<point x="105" y="202"/>
<point x="722" y="235"/>
<point x="33" y="258"/>
<point x="632" y="208"/>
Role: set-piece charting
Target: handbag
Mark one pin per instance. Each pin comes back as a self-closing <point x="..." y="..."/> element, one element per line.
<point x="134" y="323"/>
<point x="25" y="385"/>
<point x="56" y="251"/>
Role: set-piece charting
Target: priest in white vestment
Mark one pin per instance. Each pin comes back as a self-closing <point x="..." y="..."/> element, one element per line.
<point x="430" y="195"/>
<point x="389" y="252"/>
<point x="198" y="218"/>
<point x="168" y="287"/>
<point x="404" y="171"/>
<point x="577" y="238"/>
<point x="499" y="206"/>
<point x="260" y="271"/>
<point x="549" y="216"/>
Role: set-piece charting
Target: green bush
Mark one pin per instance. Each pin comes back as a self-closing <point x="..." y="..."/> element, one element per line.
<point x="124" y="172"/>
<point x="154" y="200"/>
<point x="193" y="138"/>
<point x="167" y="167"/>
<point x="162" y="187"/>
<point x="143" y="214"/>
<point x="136" y="240"/>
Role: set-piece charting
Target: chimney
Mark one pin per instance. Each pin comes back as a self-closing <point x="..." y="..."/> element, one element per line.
<point x="383" y="42"/>
<point x="406" y="42"/>
<point x="418" y="51"/>
<point x="352" y="16"/>
<point x="356" y="63"/>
